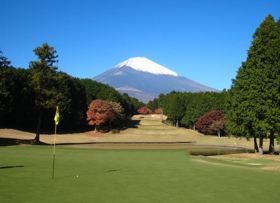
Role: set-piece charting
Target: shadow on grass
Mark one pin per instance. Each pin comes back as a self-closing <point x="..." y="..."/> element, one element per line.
<point x="11" y="142"/>
<point x="83" y="129"/>
<point x="5" y="167"/>
<point x="114" y="170"/>
<point x="82" y="175"/>
<point x="130" y="124"/>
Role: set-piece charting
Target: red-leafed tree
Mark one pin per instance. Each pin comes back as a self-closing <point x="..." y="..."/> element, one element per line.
<point x="212" y="121"/>
<point x="150" y="111"/>
<point x="158" y="111"/>
<point x="100" y="112"/>
<point x="142" y="110"/>
<point x="145" y="111"/>
<point x="217" y="125"/>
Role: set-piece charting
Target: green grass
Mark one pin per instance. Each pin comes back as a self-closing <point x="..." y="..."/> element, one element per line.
<point x="128" y="176"/>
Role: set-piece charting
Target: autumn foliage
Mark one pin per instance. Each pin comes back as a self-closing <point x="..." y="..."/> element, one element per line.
<point x="158" y="111"/>
<point x="211" y="122"/>
<point x="145" y="111"/>
<point x="100" y="112"/>
<point x="119" y="113"/>
<point x="118" y="109"/>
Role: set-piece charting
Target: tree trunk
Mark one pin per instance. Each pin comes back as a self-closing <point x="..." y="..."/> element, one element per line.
<point x="161" y="114"/>
<point x="193" y="126"/>
<point x="256" y="144"/>
<point x="271" y="144"/>
<point x="219" y="133"/>
<point x="95" y="129"/>
<point x="261" y="145"/>
<point x="177" y="123"/>
<point x="37" y="138"/>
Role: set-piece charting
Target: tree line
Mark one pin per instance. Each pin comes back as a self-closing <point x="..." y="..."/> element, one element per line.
<point x="185" y="108"/>
<point x="250" y="108"/>
<point x="28" y="97"/>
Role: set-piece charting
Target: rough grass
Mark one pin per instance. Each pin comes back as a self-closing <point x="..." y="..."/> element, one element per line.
<point x="266" y="162"/>
<point x="128" y="176"/>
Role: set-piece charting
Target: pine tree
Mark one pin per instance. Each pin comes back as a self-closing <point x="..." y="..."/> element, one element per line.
<point x="43" y="80"/>
<point x="6" y="81"/>
<point x="255" y="91"/>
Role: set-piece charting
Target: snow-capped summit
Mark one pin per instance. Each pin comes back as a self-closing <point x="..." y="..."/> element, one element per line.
<point x="144" y="79"/>
<point x="145" y="65"/>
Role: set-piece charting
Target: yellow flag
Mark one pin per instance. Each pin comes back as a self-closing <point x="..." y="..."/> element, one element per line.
<point x="56" y="118"/>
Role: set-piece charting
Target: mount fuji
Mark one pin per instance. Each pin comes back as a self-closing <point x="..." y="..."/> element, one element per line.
<point x="144" y="79"/>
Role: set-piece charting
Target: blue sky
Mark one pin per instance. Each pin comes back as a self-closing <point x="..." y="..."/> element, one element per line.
<point x="203" y="40"/>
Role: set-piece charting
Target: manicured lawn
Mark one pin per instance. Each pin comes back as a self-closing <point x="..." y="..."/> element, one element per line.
<point x="128" y="176"/>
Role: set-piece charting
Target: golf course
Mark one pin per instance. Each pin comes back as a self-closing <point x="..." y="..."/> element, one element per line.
<point x="86" y="171"/>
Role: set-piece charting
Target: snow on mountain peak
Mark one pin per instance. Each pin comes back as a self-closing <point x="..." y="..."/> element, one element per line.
<point x="146" y="65"/>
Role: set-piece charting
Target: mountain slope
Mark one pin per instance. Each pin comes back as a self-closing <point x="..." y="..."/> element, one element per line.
<point x="143" y="79"/>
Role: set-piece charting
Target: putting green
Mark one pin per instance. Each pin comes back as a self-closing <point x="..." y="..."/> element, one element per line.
<point x="134" y="175"/>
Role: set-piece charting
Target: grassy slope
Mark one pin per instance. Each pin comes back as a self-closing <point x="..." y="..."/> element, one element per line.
<point x="151" y="129"/>
<point x="128" y="176"/>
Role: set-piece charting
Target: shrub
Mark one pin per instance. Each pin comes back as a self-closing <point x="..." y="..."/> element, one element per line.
<point x="103" y="129"/>
<point x="115" y="131"/>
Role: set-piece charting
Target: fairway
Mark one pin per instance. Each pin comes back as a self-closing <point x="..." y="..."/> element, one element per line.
<point x="135" y="175"/>
<point x="140" y="128"/>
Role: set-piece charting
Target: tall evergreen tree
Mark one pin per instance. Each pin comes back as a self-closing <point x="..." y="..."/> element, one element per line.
<point x="43" y="81"/>
<point x="3" y="61"/>
<point x="5" y="82"/>
<point x="174" y="107"/>
<point x="153" y="104"/>
<point x="255" y="91"/>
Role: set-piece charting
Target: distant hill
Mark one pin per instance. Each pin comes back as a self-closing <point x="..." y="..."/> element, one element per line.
<point x="144" y="79"/>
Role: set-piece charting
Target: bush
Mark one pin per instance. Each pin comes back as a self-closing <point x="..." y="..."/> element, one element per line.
<point x="115" y="131"/>
<point x="103" y="129"/>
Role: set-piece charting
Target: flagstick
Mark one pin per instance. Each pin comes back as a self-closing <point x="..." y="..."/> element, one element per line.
<point x="54" y="152"/>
